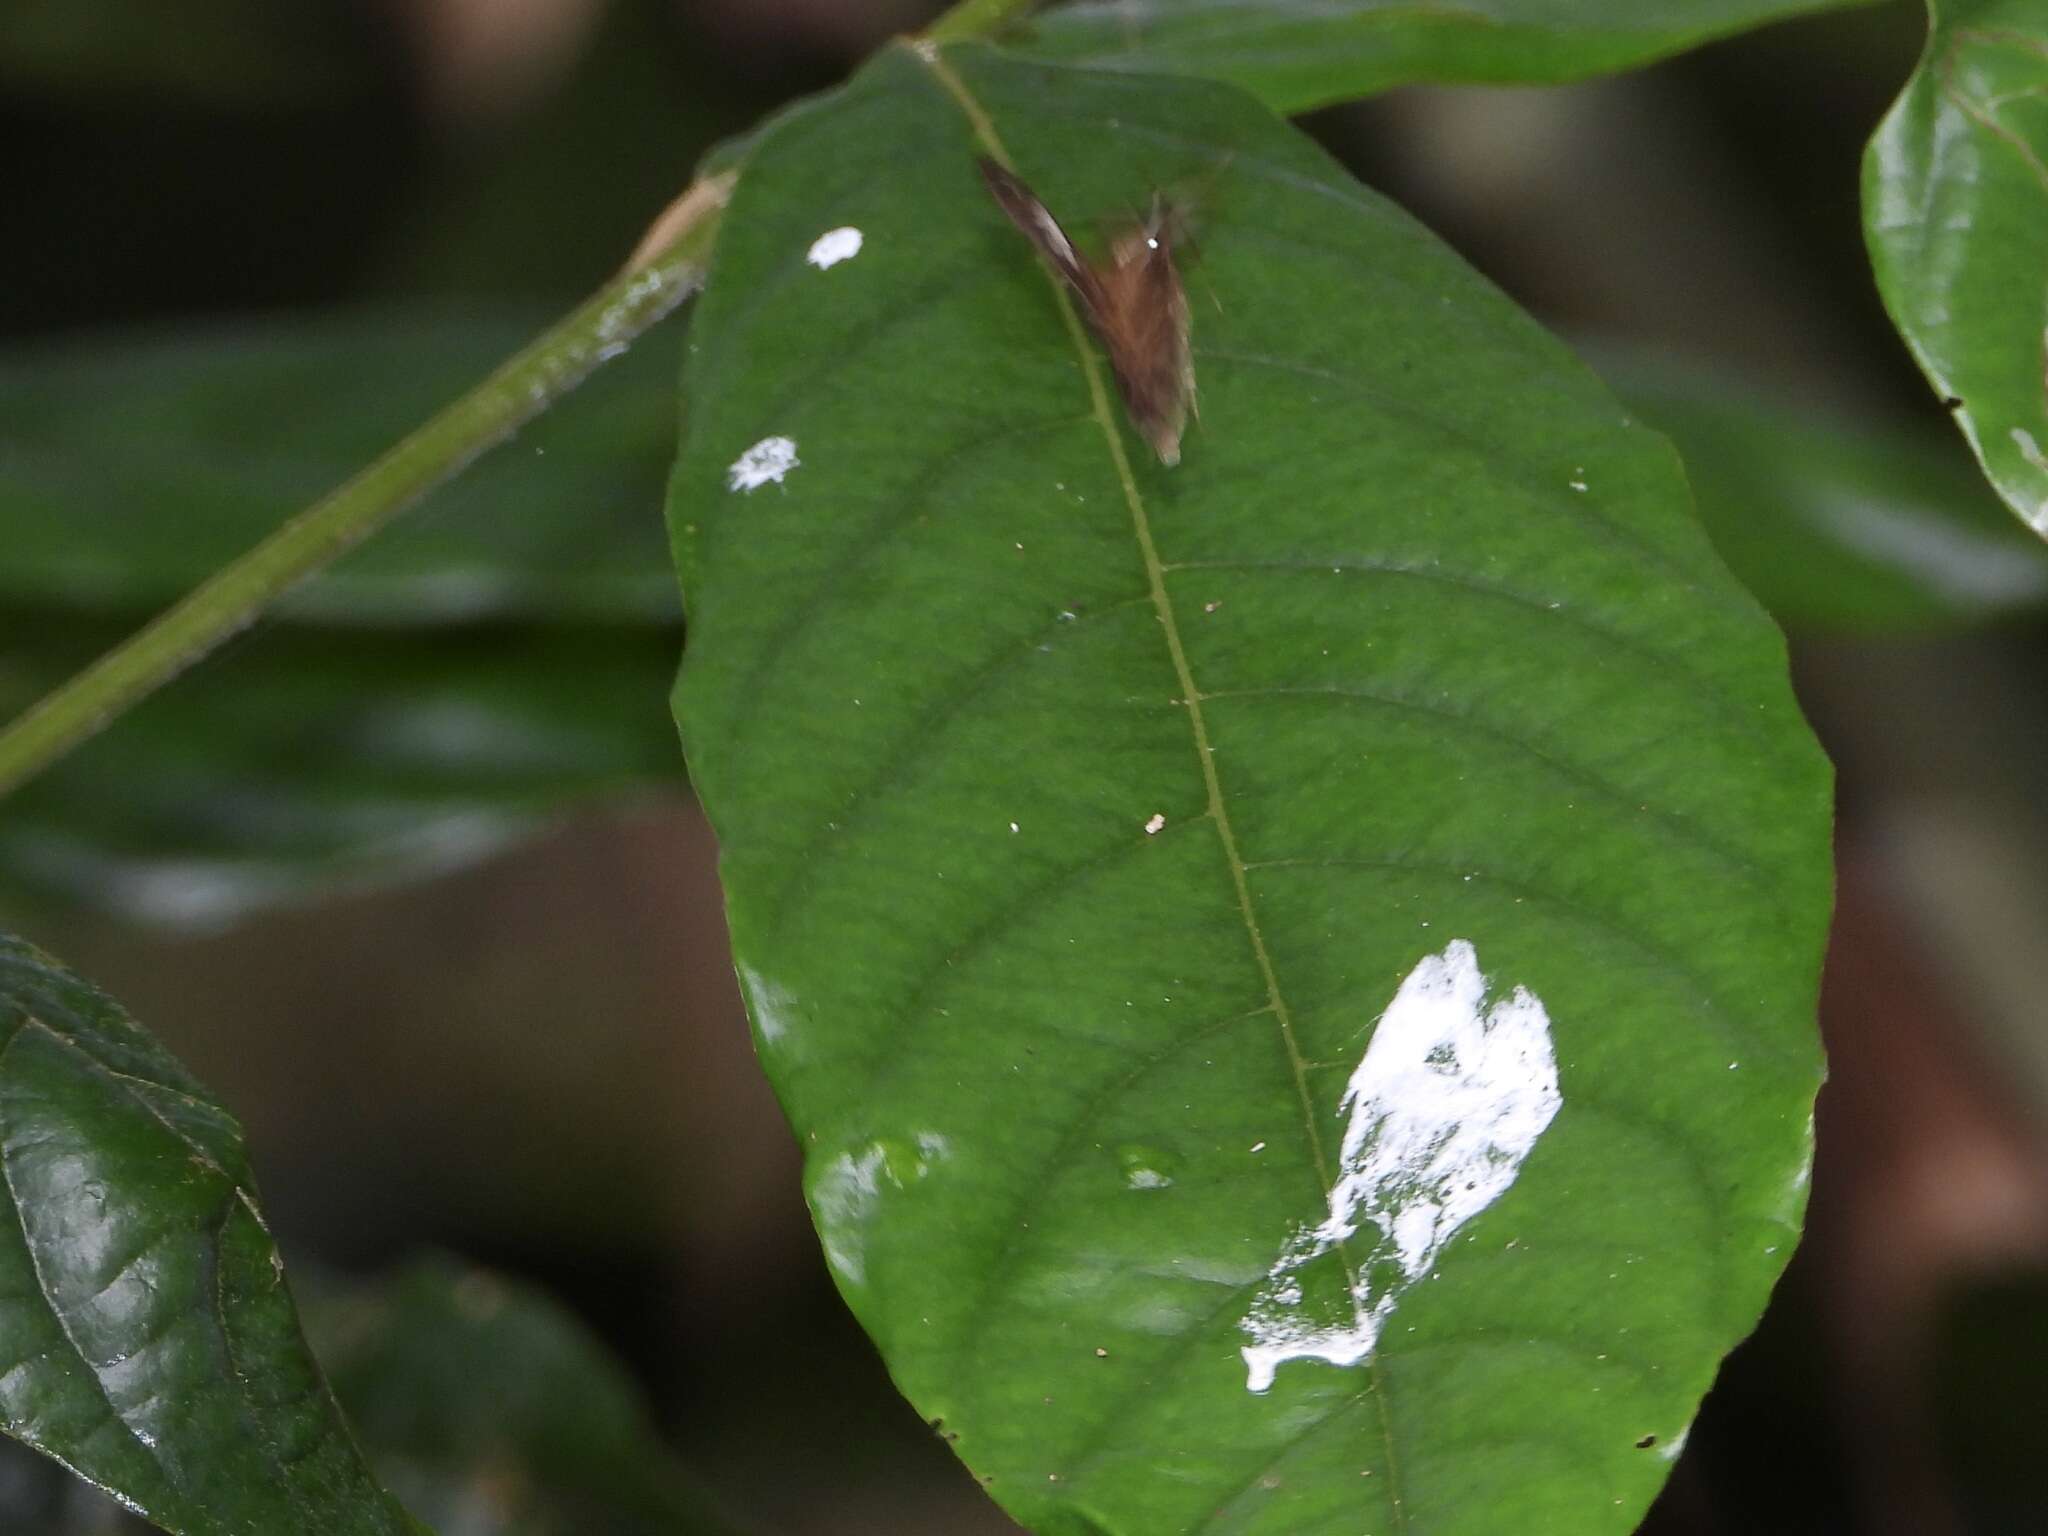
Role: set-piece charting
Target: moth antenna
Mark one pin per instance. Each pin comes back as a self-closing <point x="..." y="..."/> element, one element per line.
<point x="1181" y="207"/>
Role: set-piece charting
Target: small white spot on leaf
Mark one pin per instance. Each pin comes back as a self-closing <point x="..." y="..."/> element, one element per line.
<point x="766" y="463"/>
<point x="835" y="246"/>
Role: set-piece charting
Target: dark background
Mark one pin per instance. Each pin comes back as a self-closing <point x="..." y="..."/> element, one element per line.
<point x="542" y="1063"/>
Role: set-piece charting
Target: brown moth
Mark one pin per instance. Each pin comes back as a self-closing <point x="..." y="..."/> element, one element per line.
<point x="1134" y="303"/>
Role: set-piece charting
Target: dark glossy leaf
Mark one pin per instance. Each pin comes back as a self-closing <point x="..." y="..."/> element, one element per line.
<point x="1294" y="56"/>
<point x="150" y="1341"/>
<point x="131" y="469"/>
<point x="1079" y="817"/>
<point x="493" y="1411"/>
<point x="305" y="760"/>
<point x="1955" y="207"/>
<point x="1836" y="527"/>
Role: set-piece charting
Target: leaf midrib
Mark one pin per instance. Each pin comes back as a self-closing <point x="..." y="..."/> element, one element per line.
<point x="1104" y="413"/>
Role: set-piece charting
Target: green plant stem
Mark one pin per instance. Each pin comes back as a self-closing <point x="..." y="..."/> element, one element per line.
<point x="971" y="19"/>
<point x="650" y="287"/>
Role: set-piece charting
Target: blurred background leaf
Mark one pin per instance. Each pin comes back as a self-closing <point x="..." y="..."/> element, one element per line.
<point x="1834" y="527"/>
<point x="1296" y="57"/>
<point x="493" y="662"/>
<point x="493" y="1412"/>
<point x="305" y="761"/>
<point x="135" y="466"/>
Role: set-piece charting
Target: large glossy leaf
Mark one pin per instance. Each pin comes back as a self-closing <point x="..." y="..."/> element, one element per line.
<point x="149" y="1339"/>
<point x="1839" y="527"/>
<point x="494" y="1412"/>
<point x="1080" y="817"/>
<point x="1296" y="55"/>
<point x="306" y="760"/>
<point x="132" y="469"/>
<point x="1955" y="207"/>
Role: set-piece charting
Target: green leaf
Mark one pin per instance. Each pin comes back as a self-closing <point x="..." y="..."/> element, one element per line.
<point x="303" y="760"/>
<point x="1836" y="527"/>
<point x="134" y="468"/>
<point x="1295" y="56"/>
<point x="150" y="1341"/>
<point x="1955" y="208"/>
<point x="1079" y="817"/>
<point x="493" y="1410"/>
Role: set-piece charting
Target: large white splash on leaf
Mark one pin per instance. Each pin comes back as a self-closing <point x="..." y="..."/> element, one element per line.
<point x="1446" y="1105"/>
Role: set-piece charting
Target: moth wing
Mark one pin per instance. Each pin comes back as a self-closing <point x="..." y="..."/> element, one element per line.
<point x="1147" y="336"/>
<point x="1036" y="223"/>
